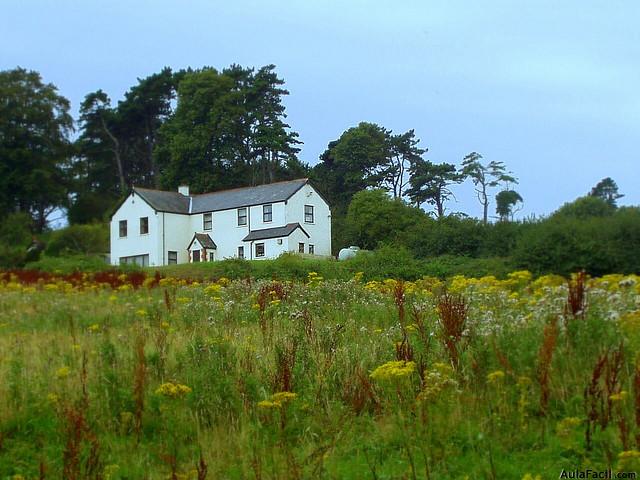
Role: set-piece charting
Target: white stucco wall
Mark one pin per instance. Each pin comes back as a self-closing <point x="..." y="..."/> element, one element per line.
<point x="320" y="229"/>
<point x="134" y="243"/>
<point x="173" y="232"/>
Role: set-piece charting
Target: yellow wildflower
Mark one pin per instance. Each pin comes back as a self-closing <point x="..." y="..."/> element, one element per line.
<point x="618" y="397"/>
<point x="495" y="377"/>
<point x="63" y="372"/>
<point x="172" y="390"/>
<point x="395" y="369"/>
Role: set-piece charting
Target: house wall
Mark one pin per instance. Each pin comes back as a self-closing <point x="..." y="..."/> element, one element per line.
<point x="225" y="232"/>
<point x="320" y="229"/>
<point x="177" y="235"/>
<point x="132" y="210"/>
<point x="296" y="237"/>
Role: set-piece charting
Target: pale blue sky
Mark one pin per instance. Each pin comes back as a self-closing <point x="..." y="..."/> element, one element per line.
<point x="550" y="88"/>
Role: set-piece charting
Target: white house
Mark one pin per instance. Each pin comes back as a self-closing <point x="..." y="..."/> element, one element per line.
<point x="154" y="227"/>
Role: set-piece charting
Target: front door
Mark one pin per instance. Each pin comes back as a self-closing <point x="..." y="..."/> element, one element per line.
<point x="195" y="255"/>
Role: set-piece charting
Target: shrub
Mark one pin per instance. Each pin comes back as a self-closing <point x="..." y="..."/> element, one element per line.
<point x="79" y="239"/>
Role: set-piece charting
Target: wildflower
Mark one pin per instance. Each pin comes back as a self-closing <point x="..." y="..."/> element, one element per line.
<point x="141" y="312"/>
<point x="628" y="460"/>
<point x="529" y="476"/>
<point x="164" y="325"/>
<point x="395" y="369"/>
<point x="283" y="397"/>
<point x="63" y="372"/>
<point x="172" y="390"/>
<point x="266" y="404"/>
<point x="53" y="398"/>
<point x="94" y="328"/>
<point x="495" y="377"/>
<point x="618" y="397"/>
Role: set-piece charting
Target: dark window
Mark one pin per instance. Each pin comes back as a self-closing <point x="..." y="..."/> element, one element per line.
<point x="195" y="255"/>
<point x="211" y="256"/>
<point x="311" y="249"/>
<point x="267" y="213"/>
<point x="242" y="216"/>
<point x="207" y="221"/>
<point x="123" y="228"/>
<point x="141" y="260"/>
<point x="259" y="249"/>
<point x="308" y="214"/>
<point x="301" y="247"/>
<point x="144" y="225"/>
<point x="172" y="257"/>
<point x="240" y="252"/>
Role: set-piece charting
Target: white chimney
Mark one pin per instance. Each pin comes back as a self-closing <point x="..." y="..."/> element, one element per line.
<point x="184" y="190"/>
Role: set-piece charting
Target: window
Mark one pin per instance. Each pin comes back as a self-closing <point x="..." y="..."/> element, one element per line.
<point x="312" y="249"/>
<point x="301" y="247"/>
<point x="259" y="249"/>
<point x="212" y="256"/>
<point x="240" y="252"/>
<point x="267" y="213"/>
<point x="207" y="221"/>
<point x="123" y="228"/>
<point x="144" y="225"/>
<point x="141" y="260"/>
<point x="172" y="257"/>
<point x="308" y="214"/>
<point x="242" y="216"/>
<point x="195" y="255"/>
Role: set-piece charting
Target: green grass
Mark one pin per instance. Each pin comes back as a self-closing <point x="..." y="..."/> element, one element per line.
<point x="65" y="353"/>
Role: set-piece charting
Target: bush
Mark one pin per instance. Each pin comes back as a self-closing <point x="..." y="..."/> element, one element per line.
<point x="79" y="239"/>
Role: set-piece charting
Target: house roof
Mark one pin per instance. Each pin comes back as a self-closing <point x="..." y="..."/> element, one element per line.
<point x="174" y="202"/>
<point x="274" y="232"/>
<point x="204" y="239"/>
<point x="170" y="202"/>
<point x="244" y="197"/>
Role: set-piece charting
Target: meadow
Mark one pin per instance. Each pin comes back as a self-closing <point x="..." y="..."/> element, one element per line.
<point x="133" y="376"/>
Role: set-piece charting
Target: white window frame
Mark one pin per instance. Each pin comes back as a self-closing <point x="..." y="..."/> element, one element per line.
<point x="268" y="213"/>
<point x="246" y="213"/>
<point x="122" y="223"/>
<point x="146" y="224"/>
<point x="311" y="214"/>
<point x="207" y="218"/>
<point x="261" y="244"/>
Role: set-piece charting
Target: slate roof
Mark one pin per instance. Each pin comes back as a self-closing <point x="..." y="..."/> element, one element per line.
<point x="174" y="202"/>
<point x="170" y="202"/>
<point x="245" y="197"/>
<point x="204" y="239"/>
<point x="274" y="232"/>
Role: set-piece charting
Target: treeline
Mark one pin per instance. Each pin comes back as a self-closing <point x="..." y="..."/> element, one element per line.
<point x="218" y="129"/>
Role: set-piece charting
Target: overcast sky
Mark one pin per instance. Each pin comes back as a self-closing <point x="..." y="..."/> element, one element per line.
<point x="551" y="88"/>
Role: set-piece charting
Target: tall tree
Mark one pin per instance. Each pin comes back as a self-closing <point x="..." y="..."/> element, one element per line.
<point x="352" y="163"/>
<point x="430" y="183"/>
<point x="506" y="202"/>
<point x="228" y="130"/>
<point x="485" y="177"/>
<point x="402" y="152"/>
<point x="607" y="189"/>
<point x="34" y="145"/>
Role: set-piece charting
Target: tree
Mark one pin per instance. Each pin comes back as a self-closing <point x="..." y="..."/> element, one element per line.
<point x="374" y="217"/>
<point x="34" y="146"/>
<point x="352" y="163"/>
<point x="485" y="177"/>
<point x="402" y="152"/>
<point x="585" y="207"/>
<point x="506" y="201"/>
<point x="227" y="131"/>
<point x="431" y="183"/>
<point x="606" y="189"/>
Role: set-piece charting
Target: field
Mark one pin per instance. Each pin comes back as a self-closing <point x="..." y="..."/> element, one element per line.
<point x="123" y="376"/>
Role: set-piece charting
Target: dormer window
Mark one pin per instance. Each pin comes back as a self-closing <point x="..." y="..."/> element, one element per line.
<point x="267" y="213"/>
